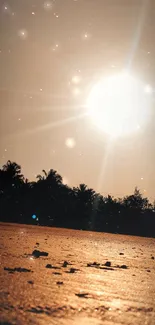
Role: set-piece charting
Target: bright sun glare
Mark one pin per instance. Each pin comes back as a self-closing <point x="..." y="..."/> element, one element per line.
<point x="118" y="105"/>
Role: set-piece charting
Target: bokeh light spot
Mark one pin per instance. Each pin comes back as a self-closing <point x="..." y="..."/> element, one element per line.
<point x="70" y="143"/>
<point x="22" y="33"/>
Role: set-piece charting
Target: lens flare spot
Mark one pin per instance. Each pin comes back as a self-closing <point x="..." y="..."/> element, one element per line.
<point x="70" y="143"/>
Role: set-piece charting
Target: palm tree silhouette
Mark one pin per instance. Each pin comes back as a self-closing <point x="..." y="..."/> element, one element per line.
<point x="56" y="204"/>
<point x="11" y="174"/>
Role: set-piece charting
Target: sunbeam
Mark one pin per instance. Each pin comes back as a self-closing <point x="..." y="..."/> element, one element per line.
<point x="138" y="32"/>
<point x="49" y="126"/>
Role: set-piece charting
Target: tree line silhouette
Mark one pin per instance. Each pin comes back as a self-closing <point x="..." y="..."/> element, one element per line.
<point x="48" y="202"/>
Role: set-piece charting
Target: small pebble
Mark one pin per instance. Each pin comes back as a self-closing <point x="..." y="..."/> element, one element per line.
<point x="108" y="264"/>
<point x="93" y="264"/>
<point x="72" y="270"/>
<point x="37" y="253"/>
<point x="82" y="295"/>
<point x="60" y="282"/>
<point x="123" y="266"/>
<point x="30" y="282"/>
<point x="65" y="263"/>
<point x="56" y="273"/>
<point x="50" y="266"/>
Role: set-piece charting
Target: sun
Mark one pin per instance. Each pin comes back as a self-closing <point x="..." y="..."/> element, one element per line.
<point x="118" y="105"/>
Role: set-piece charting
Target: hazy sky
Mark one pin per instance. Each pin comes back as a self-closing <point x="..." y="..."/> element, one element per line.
<point x="51" y="53"/>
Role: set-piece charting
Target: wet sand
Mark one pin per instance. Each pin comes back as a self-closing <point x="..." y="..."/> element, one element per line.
<point x="71" y="281"/>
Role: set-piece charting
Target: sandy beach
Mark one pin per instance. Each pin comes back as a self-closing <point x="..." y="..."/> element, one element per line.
<point x="60" y="276"/>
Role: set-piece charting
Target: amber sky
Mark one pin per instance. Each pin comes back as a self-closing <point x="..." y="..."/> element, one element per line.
<point x="44" y="45"/>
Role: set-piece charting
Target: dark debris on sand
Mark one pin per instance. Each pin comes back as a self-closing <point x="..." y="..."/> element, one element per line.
<point x="72" y="270"/>
<point x="65" y="264"/>
<point x="82" y="295"/>
<point x="59" y="282"/>
<point x="94" y="264"/>
<point x="50" y="266"/>
<point x="108" y="264"/>
<point x="57" y="273"/>
<point x="16" y="269"/>
<point x="36" y="253"/>
<point x="30" y="282"/>
<point x="123" y="266"/>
